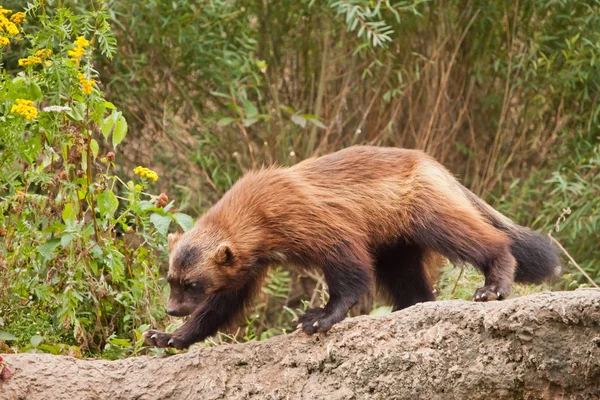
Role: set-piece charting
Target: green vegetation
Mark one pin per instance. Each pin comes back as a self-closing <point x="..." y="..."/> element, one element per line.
<point x="505" y="94"/>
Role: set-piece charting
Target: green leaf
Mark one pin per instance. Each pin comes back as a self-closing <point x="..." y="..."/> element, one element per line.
<point x="185" y="221"/>
<point x="299" y="120"/>
<point x="107" y="203"/>
<point x="66" y="239"/>
<point x="24" y="88"/>
<point x="7" y="336"/>
<point x="36" y="340"/>
<point x="47" y="249"/>
<point x="287" y="109"/>
<point x="315" y="120"/>
<point x="219" y="94"/>
<point x="318" y="123"/>
<point x="234" y="107"/>
<point x="250" y="121"/>
<point x="250" y="109"/>
<point x="120" y="130"/>
<point x="145" y="205"/>
<point x="108" y="124"/>
<point x="35" y="90"/>
<point x="120" y="342"/>
<point x="68" y="214"/>
<point x="109" y="105"/>
<point x="225" y="121"/>
<point x="77" y="112"/>
<point x="94" y="147"/>
<point x="161" y="222"/>
<point x="97" y="253"/>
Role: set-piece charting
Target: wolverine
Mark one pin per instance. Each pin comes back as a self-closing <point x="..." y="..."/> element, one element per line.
<point x="360" y="215"/>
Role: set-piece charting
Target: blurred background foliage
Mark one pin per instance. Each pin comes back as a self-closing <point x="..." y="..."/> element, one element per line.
<point x="505" y="94"/>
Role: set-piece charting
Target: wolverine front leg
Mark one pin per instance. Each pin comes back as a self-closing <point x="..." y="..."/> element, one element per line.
<point x="216" y="312"/>
<point x="197" y="328"/>
<point x="348" y="276"/>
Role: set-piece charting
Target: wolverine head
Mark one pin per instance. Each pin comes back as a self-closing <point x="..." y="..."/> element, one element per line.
<point x="200" y="265"/>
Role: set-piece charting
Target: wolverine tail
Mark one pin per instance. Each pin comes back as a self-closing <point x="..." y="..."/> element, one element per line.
<point x="536" y="255"/>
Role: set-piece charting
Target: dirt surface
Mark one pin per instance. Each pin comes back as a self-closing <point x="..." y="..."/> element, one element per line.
<point x="543" y="346"/>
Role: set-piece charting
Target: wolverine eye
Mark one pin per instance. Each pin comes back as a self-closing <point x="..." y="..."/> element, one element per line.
<point x="193" y="285"/>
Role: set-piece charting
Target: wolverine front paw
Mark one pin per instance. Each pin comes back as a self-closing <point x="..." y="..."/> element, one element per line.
<point x="316" y="319"/>
<point x="491" y="292"/>
<point x="163" y="339"/>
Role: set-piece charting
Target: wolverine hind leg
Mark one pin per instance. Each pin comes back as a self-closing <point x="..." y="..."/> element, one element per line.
<point x="401" y="274"/>
<point x="462" y="235"/>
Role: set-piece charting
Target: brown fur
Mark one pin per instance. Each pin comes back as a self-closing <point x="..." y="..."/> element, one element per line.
<point x="359" y="214"/>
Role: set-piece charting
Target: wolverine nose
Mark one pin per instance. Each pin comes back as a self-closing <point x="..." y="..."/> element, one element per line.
<point x="172" y="312"/>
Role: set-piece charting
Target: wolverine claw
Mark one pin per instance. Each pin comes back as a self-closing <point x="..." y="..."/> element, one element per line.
<point x="160" y="339"/>
<point x="299" y="326"/>
<point x="489" y="293"/>
<point x="316" y="324"/>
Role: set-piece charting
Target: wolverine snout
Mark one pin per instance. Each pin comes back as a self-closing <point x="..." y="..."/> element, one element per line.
<point x="177" y="309"/>
<point x="174" y="312"/>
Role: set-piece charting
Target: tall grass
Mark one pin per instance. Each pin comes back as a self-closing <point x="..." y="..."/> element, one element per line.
<point x="503" y="93"/>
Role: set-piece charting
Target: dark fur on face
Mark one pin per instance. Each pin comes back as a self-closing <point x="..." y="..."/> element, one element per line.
<point x="185" y="296"/>
<point x="191" y="268"/>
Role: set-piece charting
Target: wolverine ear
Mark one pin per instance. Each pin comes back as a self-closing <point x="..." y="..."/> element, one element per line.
<point x="223" y="255"/>
<point x="173" y="238"/>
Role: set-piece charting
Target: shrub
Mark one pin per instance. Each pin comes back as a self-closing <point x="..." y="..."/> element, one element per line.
<point x="81" y="246"/>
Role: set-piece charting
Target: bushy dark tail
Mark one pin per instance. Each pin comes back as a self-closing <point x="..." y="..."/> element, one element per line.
<point x="536" y="255"/>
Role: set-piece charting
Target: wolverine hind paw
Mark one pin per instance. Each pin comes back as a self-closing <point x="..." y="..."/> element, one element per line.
<point x="315" y="319"/>
<point x="491" y="292"/>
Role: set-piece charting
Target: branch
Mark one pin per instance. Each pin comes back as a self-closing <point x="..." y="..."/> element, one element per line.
<point x="540" y="346"/>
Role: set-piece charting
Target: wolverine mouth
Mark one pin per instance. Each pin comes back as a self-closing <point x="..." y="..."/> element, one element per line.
<point x="178" y="313"/>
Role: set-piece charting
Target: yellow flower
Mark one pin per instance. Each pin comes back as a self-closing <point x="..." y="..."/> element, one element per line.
<point x="78" y="52"/>
<point x="4" y="41"/>
<point x="25" y="108"/>
<point x="17" y="18"/>
<point x="81" y="42"/>
<point x="43" y="53"/>
<point x="23" y="62"/>
<point x="8" y="26"/>
<point x="148" y="173"/>
<point x="12" y="29"/>
<point x="47" y="63"/>
<point x="86" y="84"/>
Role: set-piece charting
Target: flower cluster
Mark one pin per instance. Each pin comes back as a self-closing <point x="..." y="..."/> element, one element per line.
<point x="31" y="60"/>
<point x="43" y="53"/>
<point x="17" y="18"/>
<point x="80" y="44"/>
<point x="25" y="108"/>
<point x="8" y="27"/>
<point x="86" y="84"/>
<point x="139" y="170"/>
